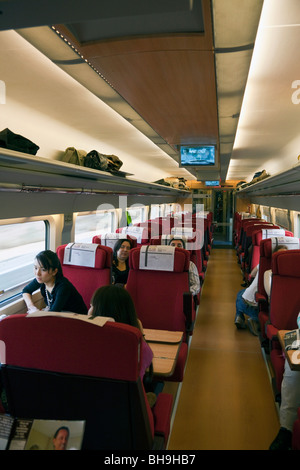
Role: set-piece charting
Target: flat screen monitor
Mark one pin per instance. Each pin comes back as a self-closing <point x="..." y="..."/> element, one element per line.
<point x="197" y="156"/>
<point x="212" y="183"/>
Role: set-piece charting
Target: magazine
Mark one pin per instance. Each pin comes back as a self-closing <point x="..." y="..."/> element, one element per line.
<point x="40" y="434"/>
<point x="292" y="340"/>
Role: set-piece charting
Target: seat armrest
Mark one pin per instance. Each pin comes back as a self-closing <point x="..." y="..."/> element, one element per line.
<point x="271" y="332"/>
<point x="262" y="301"/>
<point x="188" y="309"/>
<point x="162" y="412"/>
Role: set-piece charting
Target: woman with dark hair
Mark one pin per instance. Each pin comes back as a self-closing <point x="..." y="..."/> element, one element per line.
<point x="120" y="264"/>
<point x="58" y="292"/>
<point x="115" y="302"/>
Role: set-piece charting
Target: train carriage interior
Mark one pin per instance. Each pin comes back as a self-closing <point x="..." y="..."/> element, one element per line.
<point x="151" y="121"/>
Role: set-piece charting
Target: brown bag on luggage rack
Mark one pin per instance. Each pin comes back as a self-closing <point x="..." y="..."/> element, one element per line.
<point x="74" y="156"/>
<point x="114" y="163"/>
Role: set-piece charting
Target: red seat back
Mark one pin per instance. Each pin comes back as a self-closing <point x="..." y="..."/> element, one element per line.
<point x="65" y="368"/>
<point x="158" y="295"/>
<point x="285" y="292"/>
<point x="109" y="239"/>
<point x="88" y="279"/>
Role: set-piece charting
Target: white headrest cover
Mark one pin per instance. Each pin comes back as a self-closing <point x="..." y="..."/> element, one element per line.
<point x="157" y="257"/>
<point x="81" y="254"/>
<point x="136" y="232"/>
<point x="272" y="232"/>
<point x="291" y="243"/>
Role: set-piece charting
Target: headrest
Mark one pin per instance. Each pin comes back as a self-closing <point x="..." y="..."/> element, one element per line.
<point x="250" y="229"/>
<point x="268" y="245"/>
<point x="194" y="238"/>
<point x="85" y="255"/>
<point x="159" y="258"/>
<point x="138" y="232"/>
<point x="286" y="263"/>
<point x="81" y="254"/>
<point x="269" y="232"/>
<point x="292" y="243"/>
<point x="109" y="239"/>
<point x="99" y="321"/>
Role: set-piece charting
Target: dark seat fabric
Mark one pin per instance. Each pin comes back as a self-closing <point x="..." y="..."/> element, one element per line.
<point x="68" y="369"/>
<point x="296" y="433"/>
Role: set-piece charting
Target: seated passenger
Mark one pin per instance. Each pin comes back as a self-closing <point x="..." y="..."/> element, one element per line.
<point x="115" y="302"/>
<point x="120" y="264"/>
<point x="59" y="293"/>
<point x="290" y="402"/>
<point x="194" y="280"/>
<point x="246" y="303"/>
<point x="268" y="272"/>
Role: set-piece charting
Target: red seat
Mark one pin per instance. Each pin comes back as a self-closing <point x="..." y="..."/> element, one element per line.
<point x="266" y="250"/>
<point x="162" y="298"/>
<point x="142" y="234"/>
<point x="109" y="239"/>
<point x="260" y="234"/>
<point x="65" y="368"/>
<point x="87" y="279"/>
<point x="247" y="251"/>
<point x="193" y="245"/>
<point x="284" y="303"/>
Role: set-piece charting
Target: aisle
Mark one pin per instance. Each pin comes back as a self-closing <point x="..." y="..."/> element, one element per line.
<point x="226" y="401"/>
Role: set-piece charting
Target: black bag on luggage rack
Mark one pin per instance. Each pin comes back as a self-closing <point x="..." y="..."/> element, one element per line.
<point x="96" y="161"/>
<point x="99" y="161"/>
<point x="12" y="141"/>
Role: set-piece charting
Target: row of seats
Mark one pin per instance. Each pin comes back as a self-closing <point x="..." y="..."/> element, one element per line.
<point x="280" y="311"/>
<point x="98" y="379"/>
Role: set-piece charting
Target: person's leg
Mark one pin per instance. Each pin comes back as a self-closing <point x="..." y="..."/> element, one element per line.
<point x="252" y="321"/>
<point x="240" y="307"/>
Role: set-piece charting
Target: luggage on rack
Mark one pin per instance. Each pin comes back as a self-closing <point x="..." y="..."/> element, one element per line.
<point x="99" y="161"/>
<point x="12" y="141"/>
<point x="74" y="156"/>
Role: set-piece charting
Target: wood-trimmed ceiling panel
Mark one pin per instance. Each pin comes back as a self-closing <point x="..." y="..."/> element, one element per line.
<point x="169" y="79"/>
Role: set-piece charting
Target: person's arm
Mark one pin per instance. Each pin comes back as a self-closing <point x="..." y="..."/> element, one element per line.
<point x="194" y="279"/>
<point x="254" y="271"/>
<point x="268" y="281"/>
<point x="27" y="295"/>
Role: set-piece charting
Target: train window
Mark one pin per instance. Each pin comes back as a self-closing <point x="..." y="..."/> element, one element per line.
<point x="157" y="210"/>
<point x="89" y="225"/>
<point x="297" y="225"/>
<point x="172" y="209"/>
<point x="282" y="218"/>
<point x="136" y="214"/>
<point x="19" y="244"/>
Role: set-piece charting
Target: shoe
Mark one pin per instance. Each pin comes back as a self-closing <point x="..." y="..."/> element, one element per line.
<point x="283" y="440"/>
<point x="151" y="397"/>
<point x="240" y="323"/>
<point x="253" y="326"/>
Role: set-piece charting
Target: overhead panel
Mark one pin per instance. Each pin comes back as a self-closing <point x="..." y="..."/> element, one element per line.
<point x="162" y="64"/>
<point x="234" y="37"/>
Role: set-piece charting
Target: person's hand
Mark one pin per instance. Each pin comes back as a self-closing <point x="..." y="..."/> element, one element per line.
<point x="32" y="309"/>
